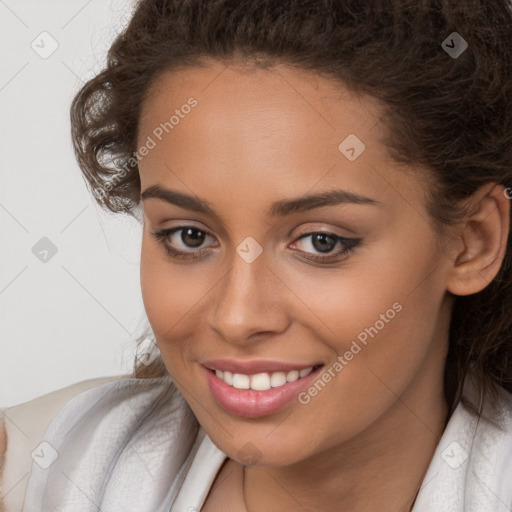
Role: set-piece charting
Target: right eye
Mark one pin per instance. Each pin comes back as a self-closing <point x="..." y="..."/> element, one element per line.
<point x="191" y="236"/>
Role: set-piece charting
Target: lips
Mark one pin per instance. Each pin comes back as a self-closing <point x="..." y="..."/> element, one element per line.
<point x="253" y="403"/>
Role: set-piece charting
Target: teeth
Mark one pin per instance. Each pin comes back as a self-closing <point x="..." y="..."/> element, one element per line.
<point x="261" y="381"/>
<point x="305" y="372"/>
<point x="241" y="381"/>
<point x="278" y="379"/>
<point x="293" y="375"/>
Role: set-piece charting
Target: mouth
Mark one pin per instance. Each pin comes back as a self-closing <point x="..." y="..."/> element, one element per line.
<point x="262" y="381"/>
<point x="258" y="394"/>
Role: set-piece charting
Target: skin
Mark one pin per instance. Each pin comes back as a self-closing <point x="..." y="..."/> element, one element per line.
<point x="258" y="136"/>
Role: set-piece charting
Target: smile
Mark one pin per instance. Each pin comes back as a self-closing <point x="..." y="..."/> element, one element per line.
<point x="258" y="394"/>
<point x="261" y="381"/>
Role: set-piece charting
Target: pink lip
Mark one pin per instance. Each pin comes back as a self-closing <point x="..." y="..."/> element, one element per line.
<point x="254" y="366"/>
<point x="251" y="403"/>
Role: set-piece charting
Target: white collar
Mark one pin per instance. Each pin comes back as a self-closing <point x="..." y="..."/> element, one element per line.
<point x="134" y="444"/>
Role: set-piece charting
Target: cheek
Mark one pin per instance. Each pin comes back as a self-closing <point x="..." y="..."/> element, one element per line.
<point x="166" y="297"/>
<point x="380" y="314"/>
<point x="172" y="295"/>
<point x="352" y="298"/>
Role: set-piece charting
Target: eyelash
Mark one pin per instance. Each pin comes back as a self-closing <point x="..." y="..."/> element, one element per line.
<point x="163" y="236"/>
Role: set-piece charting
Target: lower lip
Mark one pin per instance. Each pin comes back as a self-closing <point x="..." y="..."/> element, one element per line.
<point x="252" y="403"/>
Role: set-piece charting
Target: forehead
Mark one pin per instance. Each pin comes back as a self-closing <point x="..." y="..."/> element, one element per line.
<point x="232" y="91"/>
<point x="254" y="127"/>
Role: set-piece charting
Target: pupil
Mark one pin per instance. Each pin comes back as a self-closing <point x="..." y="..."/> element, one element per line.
<point x="322" y="237"/>
<point x="196" y="239"/>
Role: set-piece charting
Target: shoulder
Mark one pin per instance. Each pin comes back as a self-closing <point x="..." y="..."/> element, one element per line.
<point x="489" y="452"/>
<point x="37" y="413"/>
<point x="493" y="456"/>
<point x="136" y="434"/>
<point x="21" y="428"/>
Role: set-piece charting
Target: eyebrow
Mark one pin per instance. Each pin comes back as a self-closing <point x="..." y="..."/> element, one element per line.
<point x="277" y="209"/>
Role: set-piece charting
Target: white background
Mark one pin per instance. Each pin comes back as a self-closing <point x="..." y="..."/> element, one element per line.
<point x="75" y="316"/>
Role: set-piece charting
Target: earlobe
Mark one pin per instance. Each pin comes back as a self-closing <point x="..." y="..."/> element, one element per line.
<point x="484" y="234"/>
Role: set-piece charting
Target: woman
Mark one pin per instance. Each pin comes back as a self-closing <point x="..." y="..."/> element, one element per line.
<point x="324" y="189"/>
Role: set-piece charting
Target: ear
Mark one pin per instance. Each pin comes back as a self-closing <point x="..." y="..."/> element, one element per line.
<point x="483" y="238"/>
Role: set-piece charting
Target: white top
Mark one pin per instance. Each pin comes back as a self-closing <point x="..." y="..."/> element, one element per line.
<point x="135" y="445"/>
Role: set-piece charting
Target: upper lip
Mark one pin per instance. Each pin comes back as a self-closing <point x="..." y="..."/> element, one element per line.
<point x="254" y="366"/>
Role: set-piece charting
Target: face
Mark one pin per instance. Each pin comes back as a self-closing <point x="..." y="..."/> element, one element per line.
<point x="240" y="273"/>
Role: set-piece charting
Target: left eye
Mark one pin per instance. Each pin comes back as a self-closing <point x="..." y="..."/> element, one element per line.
<point x="325" y="243"/>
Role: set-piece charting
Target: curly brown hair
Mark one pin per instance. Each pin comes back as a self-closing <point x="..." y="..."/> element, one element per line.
<point x="451" y="115"/>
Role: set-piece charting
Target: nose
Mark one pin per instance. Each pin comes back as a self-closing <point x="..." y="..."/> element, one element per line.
<point x="249" y="303"/>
